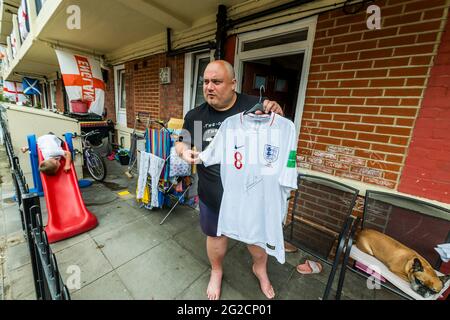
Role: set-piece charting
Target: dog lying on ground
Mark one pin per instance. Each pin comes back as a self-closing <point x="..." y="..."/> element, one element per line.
<point x="401" y="260"/>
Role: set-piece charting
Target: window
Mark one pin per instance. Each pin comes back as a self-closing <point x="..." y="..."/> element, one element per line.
<point x="53" y="95"/>
<point x="201" y="61"/>
<point x="122" y="91"/>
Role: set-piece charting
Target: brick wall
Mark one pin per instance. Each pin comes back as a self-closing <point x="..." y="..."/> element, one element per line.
<point x="427" y="168"/>
<point x="110" y="104"/>
<point x="145" y="94"/>
<point x="365" y="89"/>
<point x="59" y="96"/>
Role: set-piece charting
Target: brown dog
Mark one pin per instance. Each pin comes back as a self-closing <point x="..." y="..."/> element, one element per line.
<point x="401" y="260"/>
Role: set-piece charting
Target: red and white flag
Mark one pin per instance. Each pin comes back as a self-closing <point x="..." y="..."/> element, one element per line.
<point x="22" y="15"/>
<point x="83" y="79"/>
<point x="14" y="92"/>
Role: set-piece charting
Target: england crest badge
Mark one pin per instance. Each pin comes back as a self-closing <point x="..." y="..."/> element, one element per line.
<point x="271" y="153"/>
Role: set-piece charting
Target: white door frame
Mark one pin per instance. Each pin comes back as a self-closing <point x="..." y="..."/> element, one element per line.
<point x="305" y="47"/>
<point x="121" y="115"/>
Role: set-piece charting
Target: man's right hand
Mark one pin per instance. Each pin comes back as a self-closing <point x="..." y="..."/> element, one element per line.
<point x="190" y="156"/>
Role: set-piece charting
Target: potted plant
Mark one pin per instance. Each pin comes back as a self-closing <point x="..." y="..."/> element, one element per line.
<point x="124" y="156"/>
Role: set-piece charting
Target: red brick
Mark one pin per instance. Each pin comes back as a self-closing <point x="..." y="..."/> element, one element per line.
<point x="380" y="182"/>
<point x="421" y="60"/>
<point x="337" y="92"/>
<point x="381" y="33"/>
<point x="368" y="154"/>
<point x="348" y="175"/>
<point x="364" y="110"/>
<point x="423" y="5"/>
<point x="383" y="166"/>
<point x="367" y="92"/>
<point x="404" y="122"/>
<point x="406" y="112"/>
<point x="355" y="144"/>
<point x="362" y="45"/>
<point x="409" y="102"/>
<point x="331" y="125"/>
<point x="402" y="19"/>
<point x="373" y="137"/>
<point x="354" y="83"/>
<point x="378" y="120"/>
<point x="359" y="127"/>
<point x="404" y="72"/>
<point x="413" y="82"/>
<point x="427" y="37"/>
<point x="433" y="14"/>
<point x="378" y="73"/>
<point x="357" y="65"/>
<point x="346" y="118"/>
<point x="414" y="50"/>
<point x="350" y="101"/>
<point x="382" y="101"/>
<point x="388" y="149"/>
<point x="343" y="134"/>
<point x="403" y="92"/>
<point x="399" y="140"/>
<point x="396" y="159"/>
<point x="387" y="82"/>
<point x="420" y="27"/>
<point x="347" y="38"/>
<point x="341" y="75"/>
<point x="375" y="54"/>
<point x="393" y="131"/>
<point x="337" y="31"/>
<point x="325" y="100"/>
<point x="331" y="67"/>
<point x="394" y="62"/>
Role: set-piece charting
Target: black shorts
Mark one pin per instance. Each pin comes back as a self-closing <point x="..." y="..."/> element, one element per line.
<point x="208" y="220"/>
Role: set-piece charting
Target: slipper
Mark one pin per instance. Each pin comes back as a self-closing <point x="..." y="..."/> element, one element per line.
<point x="288" y="247"/>
<point x="309" y="267"/>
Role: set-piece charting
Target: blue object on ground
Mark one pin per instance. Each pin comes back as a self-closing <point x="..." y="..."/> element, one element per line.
<point x="83" y="183"/>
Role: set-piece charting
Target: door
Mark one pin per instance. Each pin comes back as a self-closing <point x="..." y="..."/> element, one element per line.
<point x="280" y="77"/>
<point x="121" y="96"/>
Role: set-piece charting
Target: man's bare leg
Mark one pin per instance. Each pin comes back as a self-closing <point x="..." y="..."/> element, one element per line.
<point x="260" y="270"/>
<point x="216" y="247"/>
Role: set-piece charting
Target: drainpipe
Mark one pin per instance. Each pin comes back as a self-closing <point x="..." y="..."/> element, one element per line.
<point x="221" y="32"/>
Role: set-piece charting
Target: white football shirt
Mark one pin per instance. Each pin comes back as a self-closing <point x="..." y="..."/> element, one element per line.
<point x="50" y="146"/>
<point x="257" y="155"/>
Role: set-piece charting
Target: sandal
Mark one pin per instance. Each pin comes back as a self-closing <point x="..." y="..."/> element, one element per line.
<point x="288" y="247"/>
<point x="309" y="267"/>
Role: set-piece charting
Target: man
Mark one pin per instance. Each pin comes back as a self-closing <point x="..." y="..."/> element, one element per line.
<point x="202" y="124"/>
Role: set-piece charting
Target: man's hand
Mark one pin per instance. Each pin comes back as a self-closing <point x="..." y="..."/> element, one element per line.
<point x="190" y="156"/>
<point x="271" y="106"/>
<point x="24" y="149"/>
<point x="66" y="169"/>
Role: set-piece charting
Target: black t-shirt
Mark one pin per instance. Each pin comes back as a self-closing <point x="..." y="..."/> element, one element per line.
<point x="202" y="124"/>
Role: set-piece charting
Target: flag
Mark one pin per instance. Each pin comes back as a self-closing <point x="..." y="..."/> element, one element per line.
<point x="14" y="92"/>
<point x="82" y="77"/>
<point x="24" y="23"/>
<point x="31" y="86"/>
<point x="13" y="44"/>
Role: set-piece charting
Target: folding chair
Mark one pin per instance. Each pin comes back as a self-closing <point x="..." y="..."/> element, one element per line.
<point x="320" y="220"/>
<point x="419" y="225"/>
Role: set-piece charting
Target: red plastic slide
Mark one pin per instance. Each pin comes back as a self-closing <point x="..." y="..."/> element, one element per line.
<point x="67" y="214"/>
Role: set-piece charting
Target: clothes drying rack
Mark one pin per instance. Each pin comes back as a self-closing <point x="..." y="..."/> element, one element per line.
<point x="158" y="141"/>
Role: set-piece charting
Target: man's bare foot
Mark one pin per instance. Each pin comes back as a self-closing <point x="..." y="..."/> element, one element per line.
<point x="264" y="283"/>
<point x="214" y="285"/>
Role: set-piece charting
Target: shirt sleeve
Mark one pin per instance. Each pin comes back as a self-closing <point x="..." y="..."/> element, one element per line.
<point x="288" y="176"/>
<point x="213" y="154"/>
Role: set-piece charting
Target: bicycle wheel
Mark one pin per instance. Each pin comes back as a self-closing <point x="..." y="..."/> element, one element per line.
<point x="95" y="165"/>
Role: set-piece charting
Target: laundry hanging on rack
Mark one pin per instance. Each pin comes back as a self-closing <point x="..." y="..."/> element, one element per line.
<point x="158" y="143"/>
<point x="152" y="165"/>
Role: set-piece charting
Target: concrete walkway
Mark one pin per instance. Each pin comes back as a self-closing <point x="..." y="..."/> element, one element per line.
<point x="129" y="255"/>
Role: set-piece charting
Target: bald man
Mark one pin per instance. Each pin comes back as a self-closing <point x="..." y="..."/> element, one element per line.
<point x="222" y="101"/>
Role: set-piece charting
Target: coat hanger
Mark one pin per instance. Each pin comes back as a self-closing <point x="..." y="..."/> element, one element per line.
<point x="259" y="106"/>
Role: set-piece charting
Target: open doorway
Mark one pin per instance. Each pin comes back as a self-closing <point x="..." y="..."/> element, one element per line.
<point x="280" y="77"/>
<point x="278" y="58"/>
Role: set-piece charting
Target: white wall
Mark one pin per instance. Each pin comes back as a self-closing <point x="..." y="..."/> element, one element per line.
<point x="23" y="121"/>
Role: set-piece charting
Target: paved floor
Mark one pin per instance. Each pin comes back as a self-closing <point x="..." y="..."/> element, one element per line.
<point x="129" y="255"/>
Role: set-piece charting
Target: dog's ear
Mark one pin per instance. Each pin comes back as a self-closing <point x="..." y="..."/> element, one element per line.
<point x="444" y="278"/>
<point x="417" y="265"/>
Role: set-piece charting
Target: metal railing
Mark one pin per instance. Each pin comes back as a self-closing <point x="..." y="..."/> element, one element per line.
<point x="47" y="279"/>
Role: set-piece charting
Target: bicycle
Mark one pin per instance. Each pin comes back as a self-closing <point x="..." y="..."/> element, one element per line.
<point x="92" y="160"/>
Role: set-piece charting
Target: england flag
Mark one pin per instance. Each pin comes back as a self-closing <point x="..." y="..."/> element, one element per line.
<point x="14" y="92"/>
<point x="24" y="24"/>
<point x="83" y="80"/>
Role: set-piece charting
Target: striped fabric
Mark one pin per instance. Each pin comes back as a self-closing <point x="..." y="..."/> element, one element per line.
<point x="158" y="143"/>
